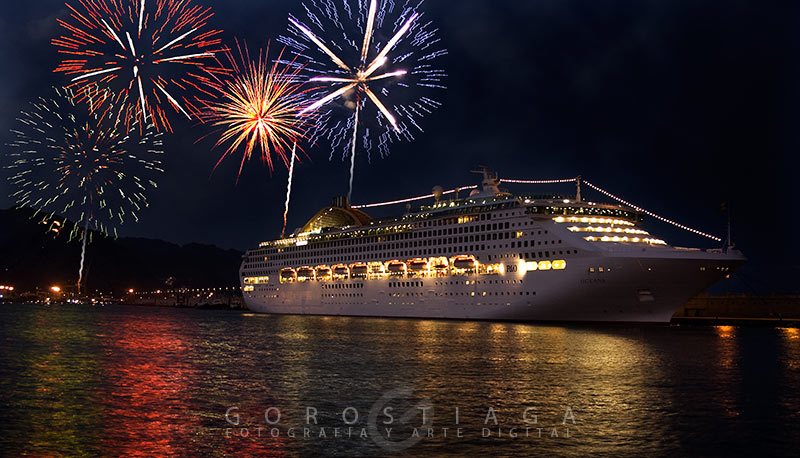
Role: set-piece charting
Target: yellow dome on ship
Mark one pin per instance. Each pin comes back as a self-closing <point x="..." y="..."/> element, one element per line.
<point x="334" y="217"/>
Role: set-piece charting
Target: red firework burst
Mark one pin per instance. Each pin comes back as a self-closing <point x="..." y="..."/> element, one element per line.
<point x="151" y="54"/>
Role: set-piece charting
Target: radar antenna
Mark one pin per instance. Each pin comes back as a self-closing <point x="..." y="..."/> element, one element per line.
<point x="487" y="175"/>
<point x="491" y="181"/>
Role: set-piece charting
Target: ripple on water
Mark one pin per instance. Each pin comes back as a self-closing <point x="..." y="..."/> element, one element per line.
<point x="83" y="381"/>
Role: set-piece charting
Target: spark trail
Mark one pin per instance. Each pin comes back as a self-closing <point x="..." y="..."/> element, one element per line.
<point x="289" y="189"/>
<point x="83" y="255"/>
<point x="353" y="154"/>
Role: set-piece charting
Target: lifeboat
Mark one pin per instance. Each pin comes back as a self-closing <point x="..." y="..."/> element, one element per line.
<point x="418" y="267"/>
<point x="341" y="271"/>
<point x="358" y="270"/>
<point x="439" y="263"/>
<point x="323" y="273"/>
<point x="464" y="262"/>
<point x="376" y="269"/>
<point x="396" y="268"/>
<point x="288" y="275"/>
<point x="439" y="266"/>
<point x="305" y="273"/>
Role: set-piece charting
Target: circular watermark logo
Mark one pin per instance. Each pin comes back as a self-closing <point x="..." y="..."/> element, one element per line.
<point x="382" y="420"/>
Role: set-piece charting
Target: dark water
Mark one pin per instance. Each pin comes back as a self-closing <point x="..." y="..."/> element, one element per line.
<point x="126" y="381"/>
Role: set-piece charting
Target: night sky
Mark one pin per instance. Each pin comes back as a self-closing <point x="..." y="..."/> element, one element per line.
<point x="677" y="106"/>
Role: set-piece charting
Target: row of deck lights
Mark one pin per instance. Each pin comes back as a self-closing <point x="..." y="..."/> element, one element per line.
<point x="592" y="220"/>
<point x="617" y="238"/>
<point x="618" y="230"/>
<point x="305" y="239"/>
<point x="609" y="230"/>
<point x="420" y="268"/>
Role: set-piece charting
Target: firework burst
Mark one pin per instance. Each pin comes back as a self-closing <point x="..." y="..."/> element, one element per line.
<point x="81" y="170"/>
<point x="371" y="61"/>
<point x="258" y="109"/>
<point x="150" y="54"/>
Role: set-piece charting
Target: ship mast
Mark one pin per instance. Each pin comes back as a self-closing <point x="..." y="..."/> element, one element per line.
<point x="730" y="241"/>
<point x="490" y="183"/>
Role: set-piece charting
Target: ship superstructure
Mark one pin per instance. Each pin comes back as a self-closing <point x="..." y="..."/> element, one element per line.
<point x="491" y="255"/>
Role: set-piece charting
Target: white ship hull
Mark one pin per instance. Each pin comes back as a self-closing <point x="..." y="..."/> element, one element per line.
<point x="641" y="290"/>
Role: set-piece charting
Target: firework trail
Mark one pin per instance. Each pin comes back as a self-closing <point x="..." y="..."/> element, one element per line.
<point x="370" y="58"/>
<point x="71" y="162"/>
<point x="353" y="154"/>
<point x="289" y="189"/>
<point x="150" y="54"/>
<point x="83" y="255"/>
<point x="258" y="108"/>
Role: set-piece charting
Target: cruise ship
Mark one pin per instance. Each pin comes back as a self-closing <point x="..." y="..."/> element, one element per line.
<point x="488" y="256"/>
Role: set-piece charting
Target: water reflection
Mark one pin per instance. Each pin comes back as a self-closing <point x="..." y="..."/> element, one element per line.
<point x="148" y="376"/>
<point x="791" y="337"/>
<point x="51" y="373"/>
<point x="727" y="371"/>
<point x="157" y="382"/>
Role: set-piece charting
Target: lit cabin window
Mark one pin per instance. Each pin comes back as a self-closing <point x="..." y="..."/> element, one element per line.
<point x="608" y="229"/>
<point x="592" y="220"/>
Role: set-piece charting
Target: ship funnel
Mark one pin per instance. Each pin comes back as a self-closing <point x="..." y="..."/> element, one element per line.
<point x="341" y="202"/>
<point x="438" y="192"/>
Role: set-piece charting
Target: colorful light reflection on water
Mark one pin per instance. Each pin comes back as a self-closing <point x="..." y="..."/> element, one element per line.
<point x="125" y="381"/>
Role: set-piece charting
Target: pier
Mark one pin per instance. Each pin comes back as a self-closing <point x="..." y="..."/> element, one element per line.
<point x="204" y="298"/>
